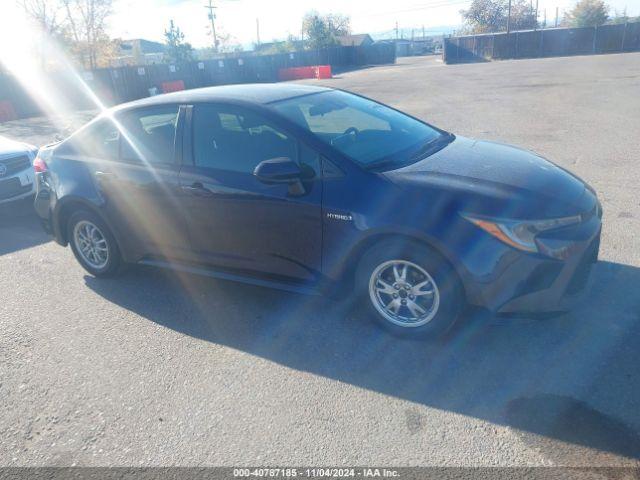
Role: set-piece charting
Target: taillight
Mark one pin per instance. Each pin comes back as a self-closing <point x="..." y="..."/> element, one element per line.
<point x="39" y="166"/>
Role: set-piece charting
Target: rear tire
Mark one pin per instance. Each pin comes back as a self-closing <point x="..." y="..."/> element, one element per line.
<point x="93" y="244"/>
<point x="409" y="289"/>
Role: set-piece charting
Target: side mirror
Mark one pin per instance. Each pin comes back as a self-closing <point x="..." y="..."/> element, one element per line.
<point x="278" y="170"/>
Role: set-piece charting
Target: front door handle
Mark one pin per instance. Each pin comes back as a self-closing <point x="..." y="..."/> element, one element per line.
<point x="197" y="189"/>
<point x="105" y="175"/>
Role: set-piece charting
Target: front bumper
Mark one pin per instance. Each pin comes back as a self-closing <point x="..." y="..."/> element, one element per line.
<point x="505" y="280"/>
<point x="563" y="292"/>
<point x="17" y="186"/>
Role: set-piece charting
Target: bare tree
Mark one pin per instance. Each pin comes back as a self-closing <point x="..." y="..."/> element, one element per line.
<point x="48" y="14"/>
<point x="227" y="43"/>
<point x="87" y="25"/>
<point x="49" y="17"/>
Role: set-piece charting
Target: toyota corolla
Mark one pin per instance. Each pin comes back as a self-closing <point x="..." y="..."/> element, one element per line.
<point x="319" y="190"/>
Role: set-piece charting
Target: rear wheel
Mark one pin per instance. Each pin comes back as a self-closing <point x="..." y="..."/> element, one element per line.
<point x="93" y="244"/>
<point x="409" y="289"/>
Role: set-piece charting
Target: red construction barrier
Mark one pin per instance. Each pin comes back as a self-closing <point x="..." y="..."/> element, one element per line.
<point x="174" y="86"/>
<point x="298" y="73"/>
<point x="324" y="71"/>
<point x="7" y="112"/>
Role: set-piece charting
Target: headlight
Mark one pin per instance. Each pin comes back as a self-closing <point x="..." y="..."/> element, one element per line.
<point x="521" y="234"/>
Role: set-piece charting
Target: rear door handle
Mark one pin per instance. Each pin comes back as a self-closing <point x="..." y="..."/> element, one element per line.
<point x="197" y="189"/>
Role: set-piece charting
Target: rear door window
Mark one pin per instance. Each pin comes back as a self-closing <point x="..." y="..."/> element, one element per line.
<point x="100" y="139"/>
<point x="148" y="135"/>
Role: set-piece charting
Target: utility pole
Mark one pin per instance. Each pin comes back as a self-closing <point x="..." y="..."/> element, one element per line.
<point x="212" y="18"/>
<point x="544" y="23"/>
<point x="509" y="18"/>
<point x="535" y="25"/>
<point x="396" y="30"/>
<point x="258" y="31"/>
<point x="556" y="16"/>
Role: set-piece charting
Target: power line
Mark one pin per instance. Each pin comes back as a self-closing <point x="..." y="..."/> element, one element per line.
<point x="426" y="6"/>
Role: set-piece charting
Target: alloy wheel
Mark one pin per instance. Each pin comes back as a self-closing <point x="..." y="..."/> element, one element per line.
<point x="91" y="244"/>
<point x="404" y="293"/>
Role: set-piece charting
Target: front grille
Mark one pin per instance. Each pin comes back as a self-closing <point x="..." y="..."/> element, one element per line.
<point x="12" y="188"/>
<point x="15" y="164"/>
<point x="541" y="277"/>
<point x="581" y="275"/>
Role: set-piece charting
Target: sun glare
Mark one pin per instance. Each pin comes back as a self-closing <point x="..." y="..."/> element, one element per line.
<point x="31" y="56"/>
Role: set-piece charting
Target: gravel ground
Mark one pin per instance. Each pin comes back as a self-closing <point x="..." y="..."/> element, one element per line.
<point x="162" y="369"/>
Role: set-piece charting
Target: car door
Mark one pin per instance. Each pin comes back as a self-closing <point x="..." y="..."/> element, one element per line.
<point x="140" y="184"/>
<point x="237" y="221"/>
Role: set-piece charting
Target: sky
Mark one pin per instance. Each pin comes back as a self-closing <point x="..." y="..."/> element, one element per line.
<point x="279" y="18"/>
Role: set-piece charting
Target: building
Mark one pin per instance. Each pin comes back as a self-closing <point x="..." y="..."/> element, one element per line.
<point x="406" y="47"/>
<point x="357" y="40"/>
<point x="139" y="51"/>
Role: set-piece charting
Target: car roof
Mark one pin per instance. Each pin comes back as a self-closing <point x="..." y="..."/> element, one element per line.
<point x="261" y="93"/>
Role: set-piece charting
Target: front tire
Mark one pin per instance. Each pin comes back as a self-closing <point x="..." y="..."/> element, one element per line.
<point x="409" y="289"/>
<point x="93" y="244"/>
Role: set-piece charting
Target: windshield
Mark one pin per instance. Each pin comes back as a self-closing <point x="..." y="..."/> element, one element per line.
<point x="369" y="133"/>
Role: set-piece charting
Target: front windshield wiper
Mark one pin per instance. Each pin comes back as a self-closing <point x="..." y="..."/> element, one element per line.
<point x="432" y="146"/>
<point x="424" y="151"/>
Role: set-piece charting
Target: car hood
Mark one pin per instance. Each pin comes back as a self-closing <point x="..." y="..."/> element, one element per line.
<point x="520" y="183"/>
<point x="11" y="147"/>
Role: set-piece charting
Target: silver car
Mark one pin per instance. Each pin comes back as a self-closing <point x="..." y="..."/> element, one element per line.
<point x="16" y="170"/>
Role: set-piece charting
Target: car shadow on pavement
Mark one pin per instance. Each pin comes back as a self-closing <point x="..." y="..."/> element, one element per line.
<point x="19" y="227"/>
<point x="571" y="380"/>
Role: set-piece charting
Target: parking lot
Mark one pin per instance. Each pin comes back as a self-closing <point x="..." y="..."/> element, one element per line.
<point x="155" y="368"/>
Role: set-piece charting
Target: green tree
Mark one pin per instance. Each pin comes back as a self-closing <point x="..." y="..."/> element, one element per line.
<point x="178" y="51"/>
<point x="484" y="16"/>
<point x="588" y="13"/>
<point x="322" y="30"/>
